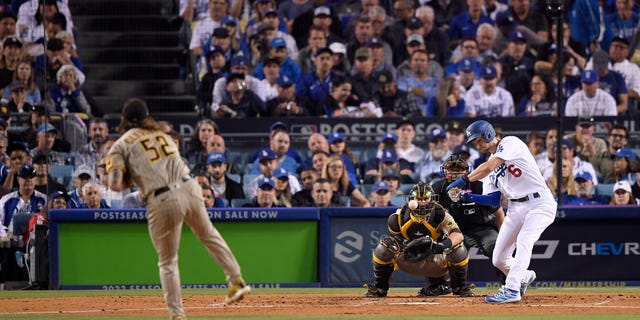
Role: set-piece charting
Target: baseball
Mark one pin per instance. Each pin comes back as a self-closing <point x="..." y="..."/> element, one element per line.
<point x="413" y="204"/>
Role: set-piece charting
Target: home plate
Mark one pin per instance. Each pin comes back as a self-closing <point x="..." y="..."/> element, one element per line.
<point x="415" y="303"/>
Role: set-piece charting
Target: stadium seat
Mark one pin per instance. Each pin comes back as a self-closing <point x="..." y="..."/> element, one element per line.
<point x="604" y="189"/>
<point x="398" y="201"/>
<point x="238" y="203"/>
<point x="62" y="173"/>
<point x="346" y="201"/>
<point x="405" y="187"/>
<point x="235" y="177"/>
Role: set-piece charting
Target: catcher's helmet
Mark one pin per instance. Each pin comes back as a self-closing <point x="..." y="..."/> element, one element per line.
<point x="426" y="198"/>
<point x="454" y="167"/>
<point x="480" y="128"/>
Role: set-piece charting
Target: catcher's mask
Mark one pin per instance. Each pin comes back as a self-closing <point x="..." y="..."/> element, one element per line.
<point x="425" y="197"/>
<point x="455" y="167"/>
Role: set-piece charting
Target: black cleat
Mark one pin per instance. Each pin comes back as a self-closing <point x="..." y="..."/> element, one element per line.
<point x="433" y="291"/>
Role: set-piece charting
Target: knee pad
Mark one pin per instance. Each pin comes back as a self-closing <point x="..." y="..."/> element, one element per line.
<point x="386" y="250"/>
<point x="459" y="256"/>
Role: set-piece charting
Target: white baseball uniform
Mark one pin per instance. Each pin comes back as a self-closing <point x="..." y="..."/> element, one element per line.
<point x="531" y="208"/>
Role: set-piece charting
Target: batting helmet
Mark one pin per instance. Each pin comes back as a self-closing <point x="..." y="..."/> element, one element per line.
<point x="480" y="128"/>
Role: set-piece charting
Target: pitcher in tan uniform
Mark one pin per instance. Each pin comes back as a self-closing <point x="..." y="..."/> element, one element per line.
<point x="147" y="157"/>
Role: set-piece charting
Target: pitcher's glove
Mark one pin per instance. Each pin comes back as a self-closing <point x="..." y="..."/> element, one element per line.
<point x="417" y="249"/>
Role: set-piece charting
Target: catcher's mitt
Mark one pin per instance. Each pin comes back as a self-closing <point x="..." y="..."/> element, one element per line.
<point x="417" y="249"/>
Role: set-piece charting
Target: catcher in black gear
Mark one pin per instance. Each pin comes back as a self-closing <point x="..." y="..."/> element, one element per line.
<point x="423" y="240"/>
<point x="478" y="223"/>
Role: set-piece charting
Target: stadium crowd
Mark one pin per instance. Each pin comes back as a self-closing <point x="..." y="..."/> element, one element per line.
<point x="315" y="58"/>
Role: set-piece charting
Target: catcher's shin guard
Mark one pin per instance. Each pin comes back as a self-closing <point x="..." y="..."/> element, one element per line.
<point x="382" y="274"/>
<point x="457" y="263"/>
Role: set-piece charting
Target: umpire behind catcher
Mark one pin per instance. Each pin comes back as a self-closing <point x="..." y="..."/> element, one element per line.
<point x="423" y="240"/>
<point x="476" y="221"/>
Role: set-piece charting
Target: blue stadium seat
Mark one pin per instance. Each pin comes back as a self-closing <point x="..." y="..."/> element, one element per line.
<point x="405" y="187"/>
<point x="398" y="201"/>
<point x="604" y="189"/>
<point x="238" y="203"/>
<point x="235" y="177"/>
<point x="63" y="174"/>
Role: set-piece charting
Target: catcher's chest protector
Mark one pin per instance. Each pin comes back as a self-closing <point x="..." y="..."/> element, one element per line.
<point x="412" y="227"/>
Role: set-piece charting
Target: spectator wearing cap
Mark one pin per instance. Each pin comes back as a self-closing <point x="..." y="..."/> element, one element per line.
<point x="625" y="166"/>
<point x="619" y="51"/>
<point x="222" y="186"/>
<point x="286" y="103"/>
<point x="380" y="194"/>
<point x="270" y="72"/>
<point x="362" y="76"/>
<point x="220" y="41"/>
<point x="67" y="95"/>
<point x="410" y="27"/>
<point x="239" y="64"/>
<point x="393" y="179"/>
<point x="435" y="39"/>
<point x="259" y="10"/>
<point x="202" y="32"/>
<point x="406" y="132"/>
<point x="46" y="136"/>
<point x="517" y="67"/>
<point x="216" y="62"/>
<point x="392" y="101"/>
<point x="341" y="65"/>
<point x="317" y="39"/>
<point x="335" y="172"/>
<point x="25" y="200"/>
<point x="81" y="176"/>
<point x="24" y="74"/>
<point x="388" y="159"/>
<point x="395" y="33"/>
<point x="268" y="163"/>
<point x="586" y="145"/>
<point x="17" y="102"/>
<point x="623" y="23"/>
<point x="240" y="102"/>
<point x="419" y="83"/>
<point x="622" y="194"/>
<point x="487" y="99"/>
<point x="617" y="138"/>
<point x="18" y="154"/>
<point x="315" y="86"/>
<point x="302" y="23"/>
<point x="569" y="156"/>
<point x="338" y="147"/>
<point x="379" y="60"/>
<point x="525" y="16"/>
<point x="283" y="189"/>
<point x="9" y="60"/>
<point x="323" y="20"/>
<point x="448" y="101"/>
<point x="585" y="192"/>
<point x="278" y="52"/>
<point x="591" y="100"/>
<point x="438" y="151"/>
<point x="272" y="18"/>
<point x="465" y="25"/>
<point x="416" y="42"/>
<point x="217" y="144"/>
<point x="610" y="81"/>
<point x="265" y="195"/>
<point x="43" y="180"/>
<point x="541" y="101"/>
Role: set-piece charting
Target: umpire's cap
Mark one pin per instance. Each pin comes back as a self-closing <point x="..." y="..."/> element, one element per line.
<point x="135" y="110"/>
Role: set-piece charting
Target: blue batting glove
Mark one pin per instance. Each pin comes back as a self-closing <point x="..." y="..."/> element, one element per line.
<point x="460" y="183"/>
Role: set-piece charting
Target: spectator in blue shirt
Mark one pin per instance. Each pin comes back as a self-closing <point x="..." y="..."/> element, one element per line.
<point x="466" y="24"/>
<point x="584" y="192"/>
<point x="419" y="82"/>
<point x="287" y="66"/>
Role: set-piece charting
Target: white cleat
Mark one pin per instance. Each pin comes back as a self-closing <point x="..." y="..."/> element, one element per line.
<point x="504" y="296"/>
<point x="528" y="281"/>
<point x="237" y="293"/>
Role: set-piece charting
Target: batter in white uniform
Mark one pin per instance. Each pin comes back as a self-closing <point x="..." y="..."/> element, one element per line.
<point x="510" y="171"/>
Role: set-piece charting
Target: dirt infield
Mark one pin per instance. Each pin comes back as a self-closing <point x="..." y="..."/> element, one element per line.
<point x="332" y="304"/>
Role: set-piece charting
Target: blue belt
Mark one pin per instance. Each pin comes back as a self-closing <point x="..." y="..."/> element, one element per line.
<point x="527" y="197"/>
